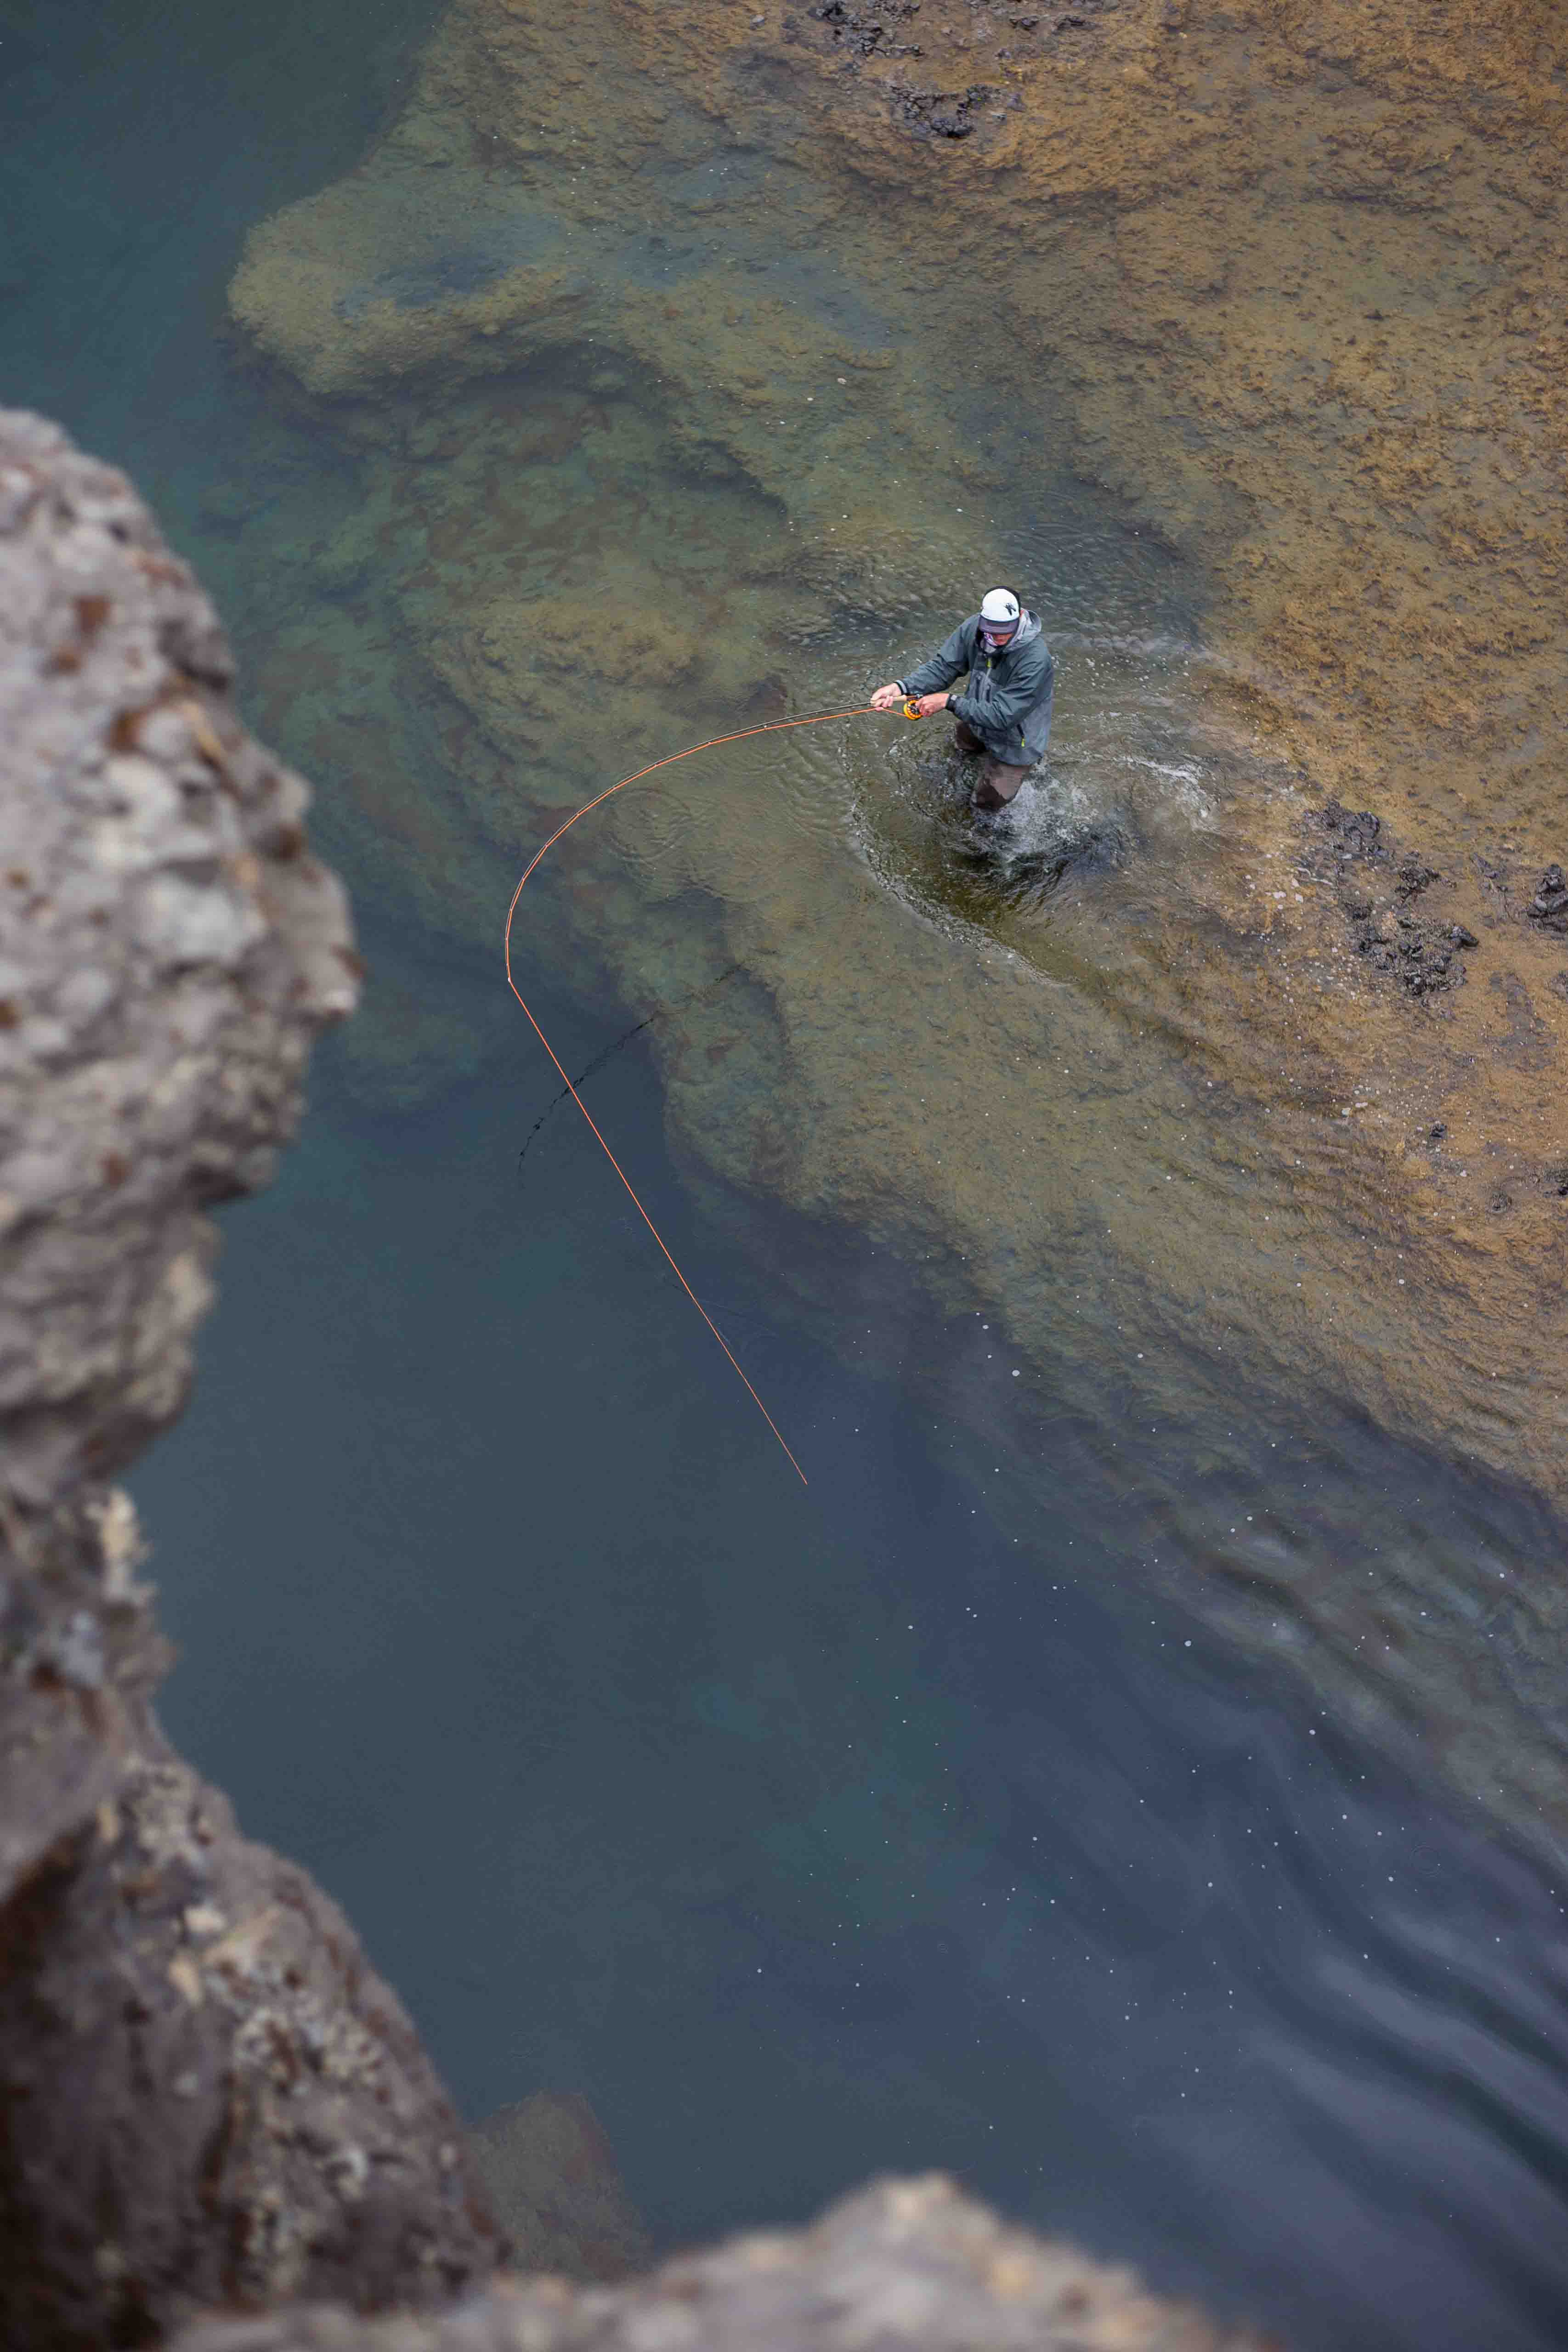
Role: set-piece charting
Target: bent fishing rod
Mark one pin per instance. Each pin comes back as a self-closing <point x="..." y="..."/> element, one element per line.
<point x="911" y="709"/>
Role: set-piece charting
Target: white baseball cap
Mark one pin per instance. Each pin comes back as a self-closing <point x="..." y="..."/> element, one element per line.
<point x="999" y="609"/>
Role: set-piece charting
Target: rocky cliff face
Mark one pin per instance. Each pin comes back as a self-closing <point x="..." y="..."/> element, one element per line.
<point x="205" y="2093"/>
<point x="169" y="949"/>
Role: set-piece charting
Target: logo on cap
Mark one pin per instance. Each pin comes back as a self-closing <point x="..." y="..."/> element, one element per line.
<point x="999" y="612"/>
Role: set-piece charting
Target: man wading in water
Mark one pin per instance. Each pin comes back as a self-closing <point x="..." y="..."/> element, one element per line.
<point x="1007" y="710"/>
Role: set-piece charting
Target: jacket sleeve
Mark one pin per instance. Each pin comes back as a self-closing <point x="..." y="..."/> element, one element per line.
<point x="1002" y="710"/>
<point x="949" y="662"/>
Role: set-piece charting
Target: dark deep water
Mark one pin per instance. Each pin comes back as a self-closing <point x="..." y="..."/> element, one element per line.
<point x="882" y="1825"/>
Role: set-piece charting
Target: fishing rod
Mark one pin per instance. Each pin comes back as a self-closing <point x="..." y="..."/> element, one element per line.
<point x="770" y="726"/>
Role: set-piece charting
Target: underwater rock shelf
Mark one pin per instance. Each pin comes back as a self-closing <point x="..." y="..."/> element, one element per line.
<point x="1259" y="372"/>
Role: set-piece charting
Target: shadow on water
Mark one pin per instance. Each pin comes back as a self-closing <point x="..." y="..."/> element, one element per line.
<point x="933" y="1815"/>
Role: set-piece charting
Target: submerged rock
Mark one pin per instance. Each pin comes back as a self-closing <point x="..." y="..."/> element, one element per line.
<point x="1550" y="904"/>
<point x="1421" y="955"/>
<point x="553" y="2181"/>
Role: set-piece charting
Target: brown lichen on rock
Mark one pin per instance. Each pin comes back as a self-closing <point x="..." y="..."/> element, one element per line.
<point x="206" y="2094"/>
<point x="906" y="2266"/>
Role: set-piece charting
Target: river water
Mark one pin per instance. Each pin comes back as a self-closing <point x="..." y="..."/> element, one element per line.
<point x="1038" y="1794"/>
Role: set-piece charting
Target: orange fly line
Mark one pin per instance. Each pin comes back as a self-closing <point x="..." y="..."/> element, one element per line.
<point x="771" y="727"/>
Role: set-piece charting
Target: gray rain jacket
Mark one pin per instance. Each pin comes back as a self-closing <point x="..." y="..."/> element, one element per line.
<point x="1007" y="702"/>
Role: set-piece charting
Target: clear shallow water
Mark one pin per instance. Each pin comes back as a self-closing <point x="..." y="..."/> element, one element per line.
<point x="889" y="1824"/>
